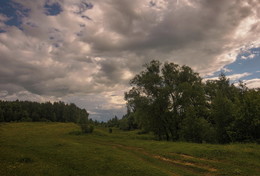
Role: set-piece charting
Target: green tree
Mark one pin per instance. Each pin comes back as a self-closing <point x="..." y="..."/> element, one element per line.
<point x="196" y="129"/>
<point x="223" y="115"/>
<point x="128" y="122"/>
<point x="85" y="125"/>
<point x="222" y="98"/>
<point x="114" y="122"/>
<point x="161" y="95"/>
<point x="246" y="126"/>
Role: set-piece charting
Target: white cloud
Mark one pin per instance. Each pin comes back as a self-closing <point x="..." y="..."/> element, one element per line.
<point x="3" y="93"/>
<point x="253" y="83"/>
<point x="233" y="77"/>
<point x="226" y="70"/>
<point x="25" y="95"/>
<point x="251" y="56"/>
<point x="238" y="76"/>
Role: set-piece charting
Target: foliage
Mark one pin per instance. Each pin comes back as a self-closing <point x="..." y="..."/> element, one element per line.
<point x="34" y="111"/>
<point x="114" y="122"/>
<point x="110" y="130"/>
<point x="85" y="124"/>
<point x="196" y="129"/>
<point x="173" y="102"/>
<point x="128" y="122"/>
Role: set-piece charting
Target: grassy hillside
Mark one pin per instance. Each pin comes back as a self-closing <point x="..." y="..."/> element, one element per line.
<point x="59" y="149"/>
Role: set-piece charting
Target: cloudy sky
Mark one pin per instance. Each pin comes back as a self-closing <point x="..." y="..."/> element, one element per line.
<point x="85" y="52"/>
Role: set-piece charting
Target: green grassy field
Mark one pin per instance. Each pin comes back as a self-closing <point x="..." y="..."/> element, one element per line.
<point x="58" y="149"/>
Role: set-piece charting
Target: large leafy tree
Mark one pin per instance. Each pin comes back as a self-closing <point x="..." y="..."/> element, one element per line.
<point x="161" y="96"/>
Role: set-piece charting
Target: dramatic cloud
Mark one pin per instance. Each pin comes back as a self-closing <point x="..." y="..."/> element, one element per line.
<point x="234" y="77"/>
<point x="87" y="51"/>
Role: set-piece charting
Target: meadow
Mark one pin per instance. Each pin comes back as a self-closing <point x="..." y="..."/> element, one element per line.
<point x="61" y="149"/>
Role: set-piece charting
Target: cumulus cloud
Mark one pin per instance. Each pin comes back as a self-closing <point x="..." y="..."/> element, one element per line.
<point x="238" y="76"/>
<point x="253" y="83"/>
<point x="226" y="70"/>
<point x="233" y="77"/>
<point x="251" y="56"/>
<point x="95" y="47"/>
<point x="3" y="19"/>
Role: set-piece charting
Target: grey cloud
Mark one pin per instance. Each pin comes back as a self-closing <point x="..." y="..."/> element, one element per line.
<point x="97" y="106"/>
<point x="68" y="54"/>
<point x="105" y="115"/>
<point x="110" y="72"/>
<point x="205" y="28"/>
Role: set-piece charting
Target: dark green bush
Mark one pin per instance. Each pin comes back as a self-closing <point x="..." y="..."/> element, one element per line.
<point x="86" y="128"/>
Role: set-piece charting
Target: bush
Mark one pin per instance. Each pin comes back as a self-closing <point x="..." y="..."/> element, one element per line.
<point x="110" y="130"/>
<point x="85" y="128"/>
<point x="85" y="125"/>
<point x="197" y="130"/>
<point x="123" y="124"/>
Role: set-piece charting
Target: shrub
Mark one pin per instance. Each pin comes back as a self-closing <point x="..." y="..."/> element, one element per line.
<point x="197" y="130"/>
<point x="85" y="125"/>
<point x="86" y="128"/>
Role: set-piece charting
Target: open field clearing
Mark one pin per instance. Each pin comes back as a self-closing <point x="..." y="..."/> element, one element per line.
<point x="60" y="149"/>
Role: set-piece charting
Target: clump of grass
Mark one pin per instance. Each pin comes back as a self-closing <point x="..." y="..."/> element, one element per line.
<point x="77" y="133"/>
<point x="25" y="160"/>
<point x="86" y="128"/>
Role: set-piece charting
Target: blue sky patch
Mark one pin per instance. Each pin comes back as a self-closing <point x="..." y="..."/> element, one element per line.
<point x="14" y="11"/>
<point x="52" y="9"/>
<point x="247" y="62"/>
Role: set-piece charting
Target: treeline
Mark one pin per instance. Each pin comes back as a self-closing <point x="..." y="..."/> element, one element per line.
<point x="126" y="123"/>
<point x="172" y="102"/>
<point x="33" y="111"/>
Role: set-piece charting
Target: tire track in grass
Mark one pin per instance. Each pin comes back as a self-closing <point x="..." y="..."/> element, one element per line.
<point x="193" y="167"/>
<point x="168" y="160"/>
<point x="193" y="159"/>
<point x="136" y="151"/>
<point x="189" y="164"/>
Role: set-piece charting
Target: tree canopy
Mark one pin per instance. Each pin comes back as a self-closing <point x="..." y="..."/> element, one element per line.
<point x="173" y="102"/>
<point x="34" y="111"/>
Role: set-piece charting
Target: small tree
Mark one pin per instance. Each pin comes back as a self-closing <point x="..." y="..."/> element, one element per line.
<point x="85" y="126"/>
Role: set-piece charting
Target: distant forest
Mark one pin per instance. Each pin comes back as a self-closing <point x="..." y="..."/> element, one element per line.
<point x="33" y="111"/>
<point x="175" y="104"/>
